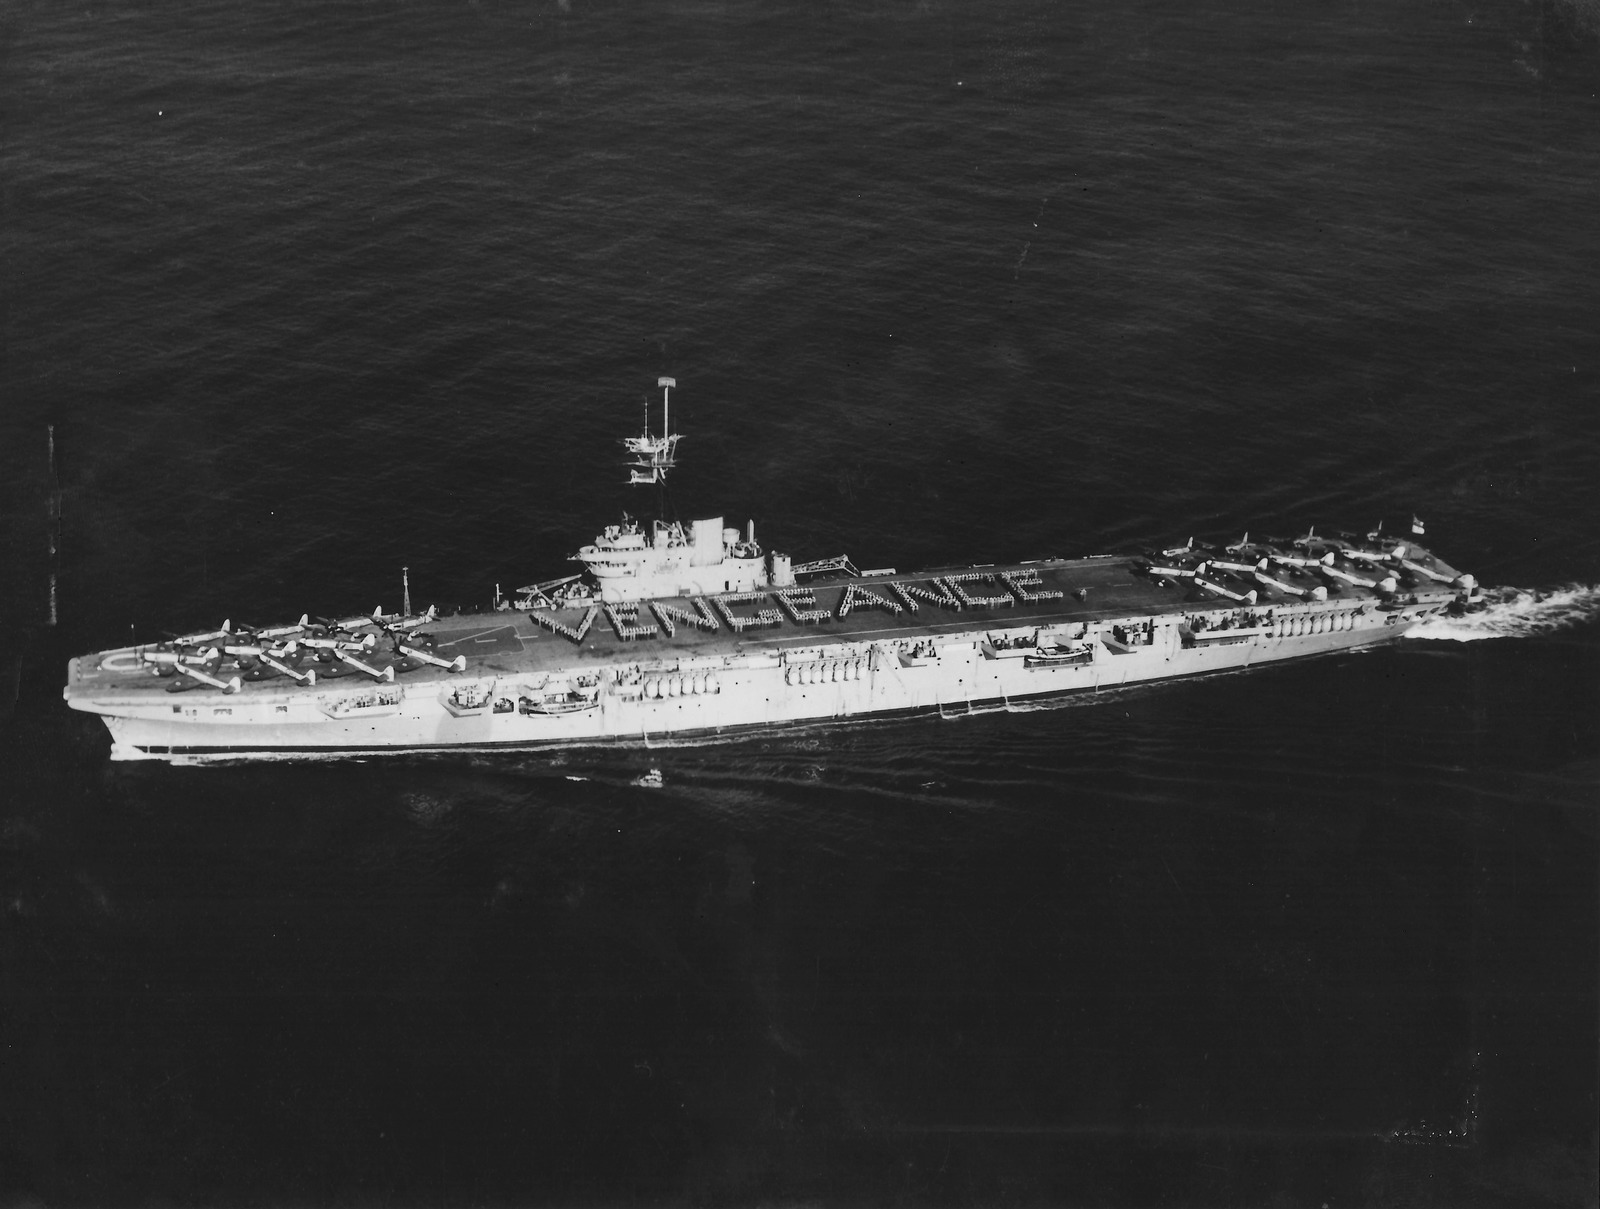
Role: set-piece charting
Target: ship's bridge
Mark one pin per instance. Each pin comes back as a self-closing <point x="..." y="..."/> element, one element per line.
<point x="674" y="562"/>
<point x="621" y="537"/>
<point x="614" y="550"/>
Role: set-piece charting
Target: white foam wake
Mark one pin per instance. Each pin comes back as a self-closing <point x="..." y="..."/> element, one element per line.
<point x="1516" y="613"/>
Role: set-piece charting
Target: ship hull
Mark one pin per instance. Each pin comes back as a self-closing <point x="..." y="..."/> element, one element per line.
<point x="834" y="684"/>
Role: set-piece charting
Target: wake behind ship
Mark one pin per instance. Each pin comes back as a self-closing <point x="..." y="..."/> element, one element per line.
<point x="695" y="631"/>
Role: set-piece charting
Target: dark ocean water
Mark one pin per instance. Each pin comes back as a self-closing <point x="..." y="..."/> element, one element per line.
<point x="311" y="291"/>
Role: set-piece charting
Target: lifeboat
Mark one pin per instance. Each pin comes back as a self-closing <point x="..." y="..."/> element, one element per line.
<point x="554" y="703"/>
<point x="1055" y="655"/>
<point x="1194" y="636"/>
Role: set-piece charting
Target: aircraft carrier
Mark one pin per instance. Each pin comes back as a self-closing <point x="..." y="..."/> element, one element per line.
<point x="675" y="631"/>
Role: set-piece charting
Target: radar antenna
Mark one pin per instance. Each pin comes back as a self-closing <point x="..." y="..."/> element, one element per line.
<point x="654" y="456"/>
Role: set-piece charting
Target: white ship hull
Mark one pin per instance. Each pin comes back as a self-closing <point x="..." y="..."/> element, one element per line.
<point x="799" y="682"/>
<point x="685" y="633"/>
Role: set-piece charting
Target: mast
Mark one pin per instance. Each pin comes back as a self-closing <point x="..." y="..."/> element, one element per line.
<point x="654" y="456"/>
<point x="663" y="500"/>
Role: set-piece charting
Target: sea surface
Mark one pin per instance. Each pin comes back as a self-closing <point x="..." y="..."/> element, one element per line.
<point x="314" y="291"/>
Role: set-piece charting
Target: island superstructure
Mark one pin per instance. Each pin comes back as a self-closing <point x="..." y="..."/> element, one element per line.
<point x="676" y="631"/>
